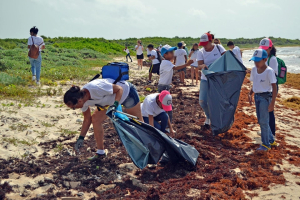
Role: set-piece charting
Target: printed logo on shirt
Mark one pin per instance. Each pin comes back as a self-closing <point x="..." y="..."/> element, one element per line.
<point x="262" y="81"/>
<point x="215" y="54"/>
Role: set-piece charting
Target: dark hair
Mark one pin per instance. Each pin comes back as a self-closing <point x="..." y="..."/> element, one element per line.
<point x="34" y="30"/>
<point x="73" y="95"/>
<point x="230" y="43"/>
<point x="196" y="44"/>
<point x="212" y="35"/>
<point x="150" y="46"/>
<point x="273" y="51"/>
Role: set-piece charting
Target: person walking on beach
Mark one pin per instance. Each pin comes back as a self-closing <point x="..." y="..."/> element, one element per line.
<point x="206" y="56"/>
<point x="272" y="62"/>
<point x="194" y="66"/>
<point x="235" y="50"/>
<point x="104" y="93"/>
<point x="265" y="92"/>
<point x="139" y="54"/>
<point x="154" y="69"/>
<point x="180" y="58"/>
<point x="184" y="47"/>
<point x="36" y="63"/>
<point x="127" y="54"/>
<point x="154" y="110"/>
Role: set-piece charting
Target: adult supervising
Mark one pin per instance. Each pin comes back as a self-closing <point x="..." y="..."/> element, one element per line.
<point x="104" y="93"/>
<point x="139" y="54"/>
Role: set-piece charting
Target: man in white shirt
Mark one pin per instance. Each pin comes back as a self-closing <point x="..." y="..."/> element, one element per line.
<point x="236" y="51"/>
<point x="155" y="62"/>
<point x="127" y="54"/>
<point x="180" y="58"/>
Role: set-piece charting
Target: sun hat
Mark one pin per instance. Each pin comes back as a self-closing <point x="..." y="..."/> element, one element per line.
<point x="166" y="48"/>
<point x="258" y="55"/>
<point x="183" y="44"/>
<point x="166" y="100"/>
<point x="265" y="43"/>
<point x="205" y="38"/>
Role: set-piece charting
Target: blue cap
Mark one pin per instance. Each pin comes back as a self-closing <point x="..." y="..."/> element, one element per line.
<point x="179" y="44"/>
<point x="258" y="55"/>
<point x="166" y="48"/>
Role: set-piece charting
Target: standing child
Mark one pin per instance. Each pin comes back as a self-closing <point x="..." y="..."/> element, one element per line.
<point x="180" y="58"/>
<point x="155" y="62"/>
<point x="139" y="53"/>
<point x="128" y="54"/>
<point x="194" y="66"/>
<point x="265" y="89"/>
<point x="166" y="70"/>
<point x="235" y="50"/>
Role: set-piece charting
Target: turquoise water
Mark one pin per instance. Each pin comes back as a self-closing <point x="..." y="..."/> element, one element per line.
<point x="290" y="55"/>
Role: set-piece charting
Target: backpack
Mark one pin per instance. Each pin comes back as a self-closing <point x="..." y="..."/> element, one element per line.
<point x="117" y="71"/>
<point x="34" y="50"/>
<point x="159" y="57"/>
<point x="282" y="70"/>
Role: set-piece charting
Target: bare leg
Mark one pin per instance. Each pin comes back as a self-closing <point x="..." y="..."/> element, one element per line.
<point x="136" y="111"/>
<point x="150" y="76"/>
<point x="97" y="119"/>
<point x="192" y="74"/>
<point x="197" y="75"/>
<point x="141" y="64"/>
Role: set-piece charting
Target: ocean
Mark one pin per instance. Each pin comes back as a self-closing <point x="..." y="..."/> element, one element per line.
<point x="290" y="55"/>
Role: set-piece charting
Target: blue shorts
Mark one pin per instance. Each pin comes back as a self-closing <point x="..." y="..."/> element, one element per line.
<point x="133" y="97"/>
<point x="182" y="70"/>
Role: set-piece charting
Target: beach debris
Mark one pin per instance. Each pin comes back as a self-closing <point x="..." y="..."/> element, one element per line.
<point x="102" y="188"/>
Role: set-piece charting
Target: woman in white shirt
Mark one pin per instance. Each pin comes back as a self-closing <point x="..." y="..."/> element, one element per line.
<point x="194" y="66"/>
<point x="36" y="64"/>
<point x="206" y="56"/>
<point x="139" y="53"/>
<point x="104" y="93"/>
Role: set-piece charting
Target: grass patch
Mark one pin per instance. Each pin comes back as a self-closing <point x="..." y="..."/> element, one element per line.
<point x="67" y="132"/>
<point x="293" y="102"/>
<point x="16" y="141"/>
<point x="46" y="124"/>
<point x="19" y="127"/>
<point x="58" y="148"/>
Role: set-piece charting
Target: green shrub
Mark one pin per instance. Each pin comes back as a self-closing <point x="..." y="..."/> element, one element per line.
<point x="7" y="79"/>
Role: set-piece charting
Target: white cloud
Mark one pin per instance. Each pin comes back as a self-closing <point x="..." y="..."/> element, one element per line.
<point x="197" y="12"/>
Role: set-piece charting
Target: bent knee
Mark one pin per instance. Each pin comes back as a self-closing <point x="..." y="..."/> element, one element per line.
<point x="97" y="118"/>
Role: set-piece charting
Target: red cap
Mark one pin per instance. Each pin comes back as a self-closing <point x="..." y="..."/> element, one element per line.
<point x="205" y="38"/>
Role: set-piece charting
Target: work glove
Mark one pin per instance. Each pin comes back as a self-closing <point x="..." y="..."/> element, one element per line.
<point x="114" y="106"/>
<point x="79" y="143"/>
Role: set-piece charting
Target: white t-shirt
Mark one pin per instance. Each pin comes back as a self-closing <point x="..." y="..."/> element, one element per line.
<point x="37" y="40"/>
<point x="150" y="107"/>
<point x="101" y="91"/>
<point x="262" y="82"/>
<point x="273" y="64"/>
<point x="166" y="72"/>
<point x="139" y="51"/>
<point x="209" y="57"/>
<point x="154" y="53"/>
<point x="159" y="48"/>
<point x="127" y="51"/>
<point x="148" y="52"/>
<point x="237" y="52"/>
<point x="180" y="59"/>
<point x="194" y="57"/>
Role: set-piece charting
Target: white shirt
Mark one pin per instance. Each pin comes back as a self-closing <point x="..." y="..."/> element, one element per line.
<point x="180" y="59"/>
<point x="209" y="57"/>
<point x="159" y="48"/>
<point x="139" y="51"/>
<point x="154" y="53"/>
<point x="237" y="52"/>
<point x="273" y="63"/>
<point x="262" y="82"/>
<point x="150" y="107"/>
<point x="37" y="40"/>
<point x="127" y="51"/>
<point x="194" y="57"/>
<point x="166" y="72"/>
<point x="148" y="52"/>
<point x="101" y="91"/>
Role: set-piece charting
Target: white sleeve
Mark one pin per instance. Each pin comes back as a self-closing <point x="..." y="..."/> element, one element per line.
<point x="222" y="49"/>
<point x="104" y="88"/>
<point x="251" y="75"/>
<point x="84" y="108"/>
<point x="175" y="53"/>
<point x="272" y="76"/>
<point x="200" y="56"/>
<point x="29" y="41"/>
<point x="185" y="53"/>
<point x="274" y="64"/>
<point x="153" y="53"/>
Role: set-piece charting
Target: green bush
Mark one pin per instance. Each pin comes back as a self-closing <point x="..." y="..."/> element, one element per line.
<point x="6" y="79"/>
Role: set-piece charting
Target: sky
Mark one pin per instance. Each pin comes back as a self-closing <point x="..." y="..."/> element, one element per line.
<point x="120" y="19"/>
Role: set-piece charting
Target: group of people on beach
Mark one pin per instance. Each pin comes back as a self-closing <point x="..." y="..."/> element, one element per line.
<point x="156" y="109"/>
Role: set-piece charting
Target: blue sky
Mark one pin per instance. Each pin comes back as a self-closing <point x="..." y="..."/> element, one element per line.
<point x="115" y="19"/>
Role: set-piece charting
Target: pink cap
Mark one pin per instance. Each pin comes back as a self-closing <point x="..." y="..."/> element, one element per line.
<point x="265" y="44"/>
<point x="166" y="100"/>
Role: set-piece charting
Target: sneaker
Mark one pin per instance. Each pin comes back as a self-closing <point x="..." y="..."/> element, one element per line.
<point x="263" y="148"/>
<point x="38" y="83"/>
<point x="33" y="78"/>
<point x="98" y="156"/>
<point x="207" y="121"/>
<point x="151" y="166"/>
<point x="274" y="144"/>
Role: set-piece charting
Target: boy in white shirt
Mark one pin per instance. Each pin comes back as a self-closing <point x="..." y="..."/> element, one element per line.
<point x="128" y="54"/>
<point x="155" y="62"/>
<point x="180" y="58"/>
<point x="154" y="110"/>
<point x="265" y="89"/>
<point x="236" y="51"/>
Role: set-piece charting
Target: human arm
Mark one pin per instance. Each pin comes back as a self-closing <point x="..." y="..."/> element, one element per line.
<point x="118" y="90"/>
<point x="201" y="64"/>
<point x="174" y="60"/>
<point x="250" y="96"/>
<point x="43" y="47"/>
<point x="185" y="57"/>
<point x="87" y="120"/>
<point x="183" y="66"/>
<point x="151" y="120"/>
<point x="190" y="54"/>
<point x="274" y="94"/>
<point x="136" y="47"/>
<point x="170" y="126"/>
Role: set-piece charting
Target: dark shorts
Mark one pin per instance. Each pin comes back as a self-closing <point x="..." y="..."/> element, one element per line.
<point x="140" y="56"/>
<point x="182" y="70"/>
<point x="133" y="97"/>
<point x="154" y="68"/>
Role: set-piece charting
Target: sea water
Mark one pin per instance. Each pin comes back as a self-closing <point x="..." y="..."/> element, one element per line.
<point x="290" y="55"/>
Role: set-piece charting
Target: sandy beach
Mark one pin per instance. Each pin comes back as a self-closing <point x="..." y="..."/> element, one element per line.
<point x="38" y="160"/>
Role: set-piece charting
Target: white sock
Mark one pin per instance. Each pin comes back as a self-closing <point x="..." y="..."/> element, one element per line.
<point x="99" y="151"/>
